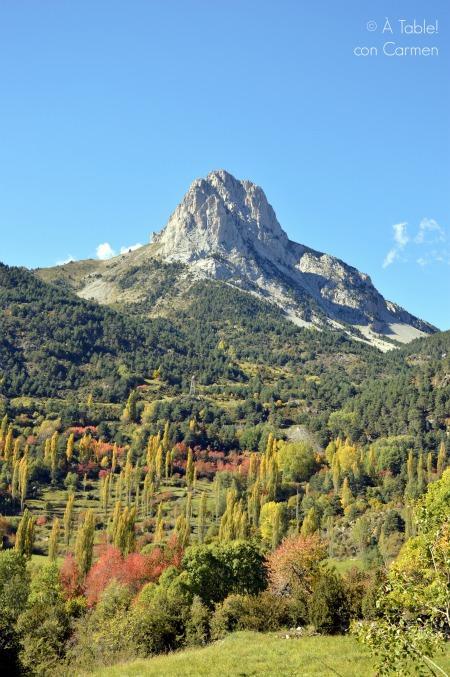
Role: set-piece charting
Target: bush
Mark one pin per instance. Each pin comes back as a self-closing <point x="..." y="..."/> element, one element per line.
<point x="328" y="607"/>
<point x="215" y="571"/>
<point x="197" y="624"/>
<point x="261" y="613"/>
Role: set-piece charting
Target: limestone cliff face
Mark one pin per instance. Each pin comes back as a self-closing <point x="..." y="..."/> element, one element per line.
<point x="225" y="229"/>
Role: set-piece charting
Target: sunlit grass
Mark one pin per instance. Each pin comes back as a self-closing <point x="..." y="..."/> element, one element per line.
<point x="249" y="653"/>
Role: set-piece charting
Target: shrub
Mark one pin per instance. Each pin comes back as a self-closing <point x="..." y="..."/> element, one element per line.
<point x="261" y="613"/>
<point x="197" y="624"/>
<point x="328" y="607"/>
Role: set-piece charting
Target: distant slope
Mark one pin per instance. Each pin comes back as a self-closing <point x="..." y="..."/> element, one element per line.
<point x="412" y="396"/>
<point x="52" y="342"/>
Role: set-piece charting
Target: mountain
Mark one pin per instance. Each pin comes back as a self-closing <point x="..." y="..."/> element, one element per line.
<point x="224" y="229"/>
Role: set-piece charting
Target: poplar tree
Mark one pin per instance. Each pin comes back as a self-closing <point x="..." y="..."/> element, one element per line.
<point x="84" y="546"/>
<point x="190" y="467"/>
<point x="130" y="412"/>
<point x="159" y="529"/>
<point x="69" y="447"/>
<point x="159" y="463"/>
<point x="125" y="534"/>
<point x="429" y="466"/>
<point x="346" y="494"/>
<point x="16" y="450"/>
<point x="336" y="472"/>
<point x="54" y="540"/>
<point x="67" y="518"/>
<point x="441" y="460"/>
<point x="3" y="428"/>
<point x="15" y="480"/>
<point x="9" y="443"/>
<point x="115" y="520"/>
<point x="166" y="437"/>
<point x="54" y="454"/>
<point x="420" y="475"/>
<point x="25" y="535"/>
<point x="310" y="523"/>
<point x="183" y="530"/>
<point x="202" y="518"/>
<point x="104" y="493"/>
<point x="114" y="459"/>
<point x="24" y="474"/>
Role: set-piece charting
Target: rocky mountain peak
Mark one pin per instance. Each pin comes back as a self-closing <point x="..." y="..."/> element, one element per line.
<point x="225" y="229"/>
<point x="221" y="215"/>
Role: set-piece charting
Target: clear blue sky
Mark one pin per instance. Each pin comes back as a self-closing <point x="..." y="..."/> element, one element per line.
<point x="110" y="108"/>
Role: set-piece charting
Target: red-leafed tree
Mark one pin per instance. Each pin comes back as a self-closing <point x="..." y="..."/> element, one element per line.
<point x="294" y="566"/>
<point x="134" y="571"/>
<point x="70" y="576"/>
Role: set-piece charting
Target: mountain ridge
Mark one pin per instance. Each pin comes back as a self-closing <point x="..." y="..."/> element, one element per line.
<point x="225" y="229"/>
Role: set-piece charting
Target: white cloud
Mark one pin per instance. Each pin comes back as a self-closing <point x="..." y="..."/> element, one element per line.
<point x="390" y="258"/>
<point x="400" y="236"/>
<point x="401" y="239"/>
<point x="105" y="251"/>
<point x="131" y="248"/>
<point x="429" y="226"/>
<point x="69" y="259"/>
<point x="423" y="246"/>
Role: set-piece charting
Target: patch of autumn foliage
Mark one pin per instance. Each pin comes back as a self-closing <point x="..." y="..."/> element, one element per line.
<point x="133" y="570"/>
<point x="209" y="461"/>
<point x="295" y="564"/>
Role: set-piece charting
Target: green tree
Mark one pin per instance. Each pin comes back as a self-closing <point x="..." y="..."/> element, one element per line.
<point x="296" y="461"/>
<point x="67" y="518"/>
<point x="44" y="626"/>
<point x="415" y="604"/>
<point x="84" y="546"/>
<point x="54" y="540"/>
<point x="25" y="535"/>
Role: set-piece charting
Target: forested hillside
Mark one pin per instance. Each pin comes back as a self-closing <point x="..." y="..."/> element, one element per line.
<point x="164" y="479"/>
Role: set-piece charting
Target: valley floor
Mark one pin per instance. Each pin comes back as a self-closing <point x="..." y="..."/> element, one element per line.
<point x="245" y="654"/>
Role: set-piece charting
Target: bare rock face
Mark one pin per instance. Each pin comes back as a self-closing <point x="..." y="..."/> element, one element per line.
<point x="226" y="229"/>
<point x="220" y="215"/>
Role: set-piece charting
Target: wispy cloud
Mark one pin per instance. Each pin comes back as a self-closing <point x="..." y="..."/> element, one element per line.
<point x="429" y="231"/>
<point x="69" y="259"/>
<point x="422" y="246"/>
<point x="131" y="248"/>
<point x="105" y="251"/>
<point x="401" y="239"/>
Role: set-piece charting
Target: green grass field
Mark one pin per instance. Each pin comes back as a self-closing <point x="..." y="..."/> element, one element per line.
<point x="246" y="654"/>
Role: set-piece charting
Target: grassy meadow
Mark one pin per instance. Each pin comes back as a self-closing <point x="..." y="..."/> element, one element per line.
<point x="247" y="654"/>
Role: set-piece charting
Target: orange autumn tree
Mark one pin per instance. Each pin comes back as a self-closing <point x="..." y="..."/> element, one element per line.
<point x="294" y="566"/>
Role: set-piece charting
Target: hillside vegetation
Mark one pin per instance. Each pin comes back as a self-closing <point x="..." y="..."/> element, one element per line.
<point x="167" y="481"/>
